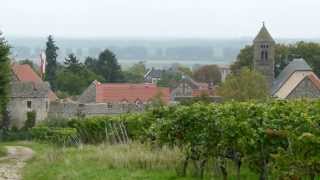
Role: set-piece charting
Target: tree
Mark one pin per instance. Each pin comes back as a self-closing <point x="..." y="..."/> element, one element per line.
<point x="135" y="74"/>
<point x="244" y="59"/>
<point x="73" y="63"/>
<point x="5" y="76"/>
<point x="75" y="77"/>
<point x="169" y="78"/>
<point x="247" y="85"/>
<point x="185" y="70"/>
<point x="208" y="74"/>
<point x="108" y="67"/>
<point x="52" y="66"/>
<point x="91" y="64"/>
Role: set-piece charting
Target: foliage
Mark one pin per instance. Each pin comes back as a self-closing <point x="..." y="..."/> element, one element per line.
<point x="59" y="136"/>
<point x="4" y="78"/>
<point x="248" y="85"/>
<point x="184" y="70"/>
<point x="52" y="65"/>
<point x="31" y="120"/>
<point x="275" y="139"/>
<point x="112" y="129"/>
<point x="284" y="54"/>
<point x="74" y="78"/>
<point x="3" y="151"/>
<point x="135" y="74"/>
<point x="169" y="78"/>
<point x="106" y="66"/>
<point x="208" y="74"/>
<point x="244" y="59"/>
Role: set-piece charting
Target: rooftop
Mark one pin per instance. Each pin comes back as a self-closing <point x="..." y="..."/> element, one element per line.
<point x="293" y="66"/>
<point x="116" y="92"/>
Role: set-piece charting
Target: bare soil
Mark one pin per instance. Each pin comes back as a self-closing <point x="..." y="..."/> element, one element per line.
<point x="12" y="164"/>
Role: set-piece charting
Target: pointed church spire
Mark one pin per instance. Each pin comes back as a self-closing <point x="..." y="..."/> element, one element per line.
<point x="263" y="35"/>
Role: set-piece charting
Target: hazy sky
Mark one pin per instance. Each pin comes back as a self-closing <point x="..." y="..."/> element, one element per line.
<point x="160" y="18"/>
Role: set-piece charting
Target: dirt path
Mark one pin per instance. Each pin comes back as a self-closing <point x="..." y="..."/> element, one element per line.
<point x="11" y="165"/>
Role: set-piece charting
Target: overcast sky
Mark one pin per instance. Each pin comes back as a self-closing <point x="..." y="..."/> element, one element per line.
<point x="160" y="18"/>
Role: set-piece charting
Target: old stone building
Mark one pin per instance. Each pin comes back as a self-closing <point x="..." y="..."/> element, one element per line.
<point x="28" y="93"/>
<point x="188" y="88"/>
<point x="297" y="79"/>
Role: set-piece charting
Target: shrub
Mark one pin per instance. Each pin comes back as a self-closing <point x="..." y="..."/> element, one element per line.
<point x="31" y="120"/>
<point x="59" y="136"/>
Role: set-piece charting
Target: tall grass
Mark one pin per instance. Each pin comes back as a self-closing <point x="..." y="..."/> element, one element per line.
<point x="99" y="162"/>
<point x="3" y="151"/>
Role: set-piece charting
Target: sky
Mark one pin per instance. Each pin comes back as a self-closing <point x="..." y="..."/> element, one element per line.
<point x="159" y="18"/>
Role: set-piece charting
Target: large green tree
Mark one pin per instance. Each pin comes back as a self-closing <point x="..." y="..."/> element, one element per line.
<point x="208" y="74"/>
<point x="108" y="67"/>
<point x="74" y="77"/>
<point x="4" y="77"/>
<point x="52" y="65"/>
<point x="247" y="85"/>
<point x="135" y="74"/>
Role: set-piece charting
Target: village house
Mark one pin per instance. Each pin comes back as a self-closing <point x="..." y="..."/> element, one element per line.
<point x="188" y="88"/>
<point x="153" y="76"/>
<point x="297" y="79"/>
<point x="28" y="93"/>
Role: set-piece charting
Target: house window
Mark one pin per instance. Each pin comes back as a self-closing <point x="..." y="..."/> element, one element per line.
<point x="29" y="104"/>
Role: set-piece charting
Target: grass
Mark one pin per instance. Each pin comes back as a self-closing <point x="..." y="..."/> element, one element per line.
<point x="116" y="162"/>
<point x="3" y="151"/>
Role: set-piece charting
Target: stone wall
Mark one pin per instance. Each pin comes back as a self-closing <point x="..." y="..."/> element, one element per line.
<point x="18" y="109"/>
<point x="22" y="93"/>
<point x="89" y="95"/>
<point x="305" y="89"/>
<point x="74" y="109"/>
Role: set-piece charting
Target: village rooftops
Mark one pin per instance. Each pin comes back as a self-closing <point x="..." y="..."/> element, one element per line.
<point x="293" y="66"/>
<point x="124" y="93"/>
<point x="24" y="73"/>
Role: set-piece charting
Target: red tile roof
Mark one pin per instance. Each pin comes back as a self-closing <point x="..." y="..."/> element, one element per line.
<point x="119" y="92"/>
<point x="25" y="73"/>
<point x="315" y="80"/>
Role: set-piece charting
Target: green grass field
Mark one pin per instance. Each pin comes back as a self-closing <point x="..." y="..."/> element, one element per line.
<point x="116" y="162"/>
<point x="3" y="151"/>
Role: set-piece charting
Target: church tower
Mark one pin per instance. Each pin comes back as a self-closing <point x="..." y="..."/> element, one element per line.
<point x="264" y="55"/>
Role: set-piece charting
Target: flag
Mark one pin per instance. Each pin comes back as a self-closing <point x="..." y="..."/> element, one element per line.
<point x="43" y="63"/>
